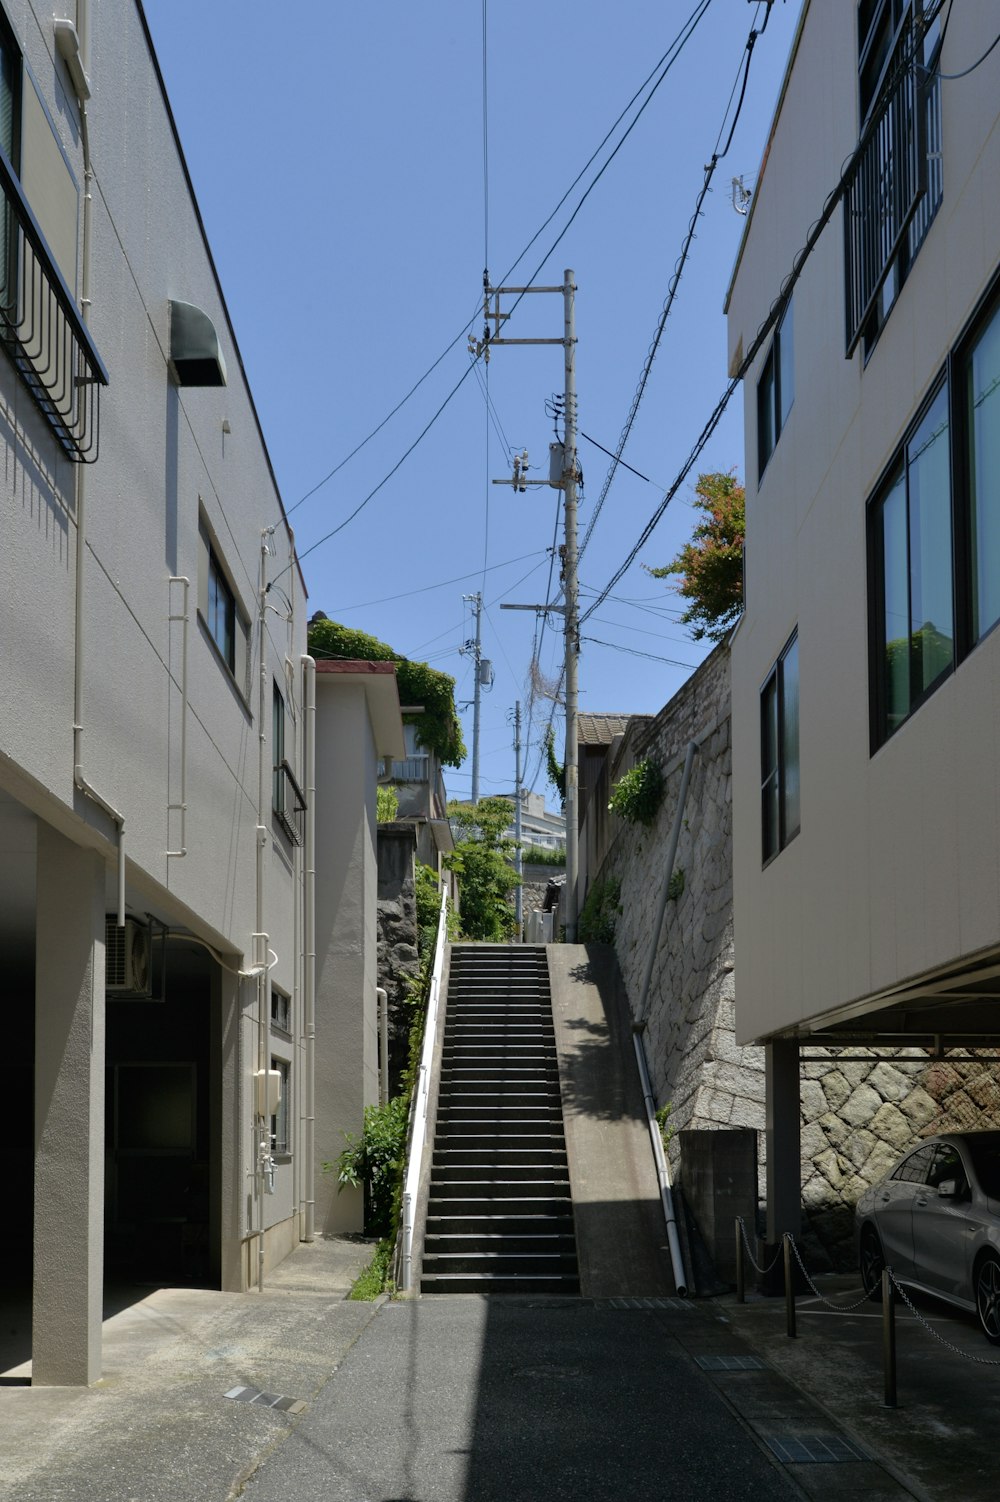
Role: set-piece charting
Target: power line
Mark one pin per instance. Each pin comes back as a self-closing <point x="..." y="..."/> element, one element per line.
<point x="463" y="331"/>
<point x="776" y="312"/>
<point x="679" y="265"/>
<point x="424" y="589"/>
<point x="634" y="652"/>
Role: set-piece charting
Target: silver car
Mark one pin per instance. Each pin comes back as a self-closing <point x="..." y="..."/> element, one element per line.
<point x="936" y="1221"/>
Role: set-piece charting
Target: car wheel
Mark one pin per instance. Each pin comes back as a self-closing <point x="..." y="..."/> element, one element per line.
<point x="988" y="1298"/>
<point x="872" y="1262"/>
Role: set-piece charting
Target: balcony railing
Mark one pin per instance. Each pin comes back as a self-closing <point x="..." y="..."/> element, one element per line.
<point x="412" y="769"/>
<point x="289" y="803"/>
<point x="890" y="182"/>
<point x="41" y="327"/>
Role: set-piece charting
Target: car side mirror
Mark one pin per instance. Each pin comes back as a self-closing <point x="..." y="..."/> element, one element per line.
<point x="948" y="1189"/>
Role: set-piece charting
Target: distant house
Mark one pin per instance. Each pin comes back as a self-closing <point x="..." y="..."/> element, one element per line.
<point x="540" y="826"/>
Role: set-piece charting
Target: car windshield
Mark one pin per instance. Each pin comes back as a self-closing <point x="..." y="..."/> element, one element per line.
<point x="984" y="1150"/>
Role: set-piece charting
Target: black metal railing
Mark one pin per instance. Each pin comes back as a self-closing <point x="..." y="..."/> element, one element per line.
<point x="891" y="191"/>
<point x="289" y="803"/>
<point x="41" y="327"/>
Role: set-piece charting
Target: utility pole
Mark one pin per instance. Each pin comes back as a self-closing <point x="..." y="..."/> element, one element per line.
<point x="475" y="647"/>
<point x="565" y="478"/>
<point x="518" y="856"/>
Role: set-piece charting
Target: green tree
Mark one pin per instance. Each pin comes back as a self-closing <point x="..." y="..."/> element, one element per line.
<point x="438" y="726"/>
<point x="481" y="860"/>
<point x="710" y="566"/>
<point x="386" y="803"/>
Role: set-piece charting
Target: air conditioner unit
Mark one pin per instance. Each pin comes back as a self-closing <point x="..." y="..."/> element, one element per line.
<point x="128" y="969"/>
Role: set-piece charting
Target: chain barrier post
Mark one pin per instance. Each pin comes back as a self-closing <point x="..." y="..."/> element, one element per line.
<point x="889" y="1338"/>
<point x="789" y="1287"/>
<point x="740" y="1282"/>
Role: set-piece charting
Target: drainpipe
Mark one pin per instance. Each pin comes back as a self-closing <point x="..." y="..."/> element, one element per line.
<point x="264" y="1164"/>
<point x="382" y="997"/>
<point x="79" y="74"/>
<point x="309" y="896"/>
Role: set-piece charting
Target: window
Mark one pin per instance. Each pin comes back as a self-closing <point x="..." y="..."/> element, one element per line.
<point x="779" y="752"/>
<point x="281" y="1011"/>
<point x="896" y="185"/>
<point x="278" y="749"/>
<point x="775" y="390"/>
<point x="280" y="1138"/>
<point x="934" y="533"/>
<point x="911" y="522"/>
<point x="221" y="611"/>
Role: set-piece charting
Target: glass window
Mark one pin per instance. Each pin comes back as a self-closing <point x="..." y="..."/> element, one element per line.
<point x="982" y="412"/>
<point x="775" y="390"/>
<point x="281" y="1011"/>
<point x="221" y="611"/>
<point x="913" y="1170"/>
<point x="947" y="1165"/>
<point x="911" y="528"/>
<point x="779" y="742"/>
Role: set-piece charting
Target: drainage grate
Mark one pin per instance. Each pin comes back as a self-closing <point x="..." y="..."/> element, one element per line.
<point x="730" y="1363"/>
<point x="265" y="1399"/>
<point x="814" y="1448"/>
<point x="683" y="1304"/>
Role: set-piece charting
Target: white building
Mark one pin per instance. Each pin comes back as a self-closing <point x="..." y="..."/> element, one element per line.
<point x="866" y="732"/>
<point x="152" y="725"/>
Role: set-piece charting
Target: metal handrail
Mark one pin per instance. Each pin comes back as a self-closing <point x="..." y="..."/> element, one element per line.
<point x="41" y="326"/>
<point x="421" y="1096"/>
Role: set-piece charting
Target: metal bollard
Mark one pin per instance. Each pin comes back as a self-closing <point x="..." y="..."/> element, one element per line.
<point x="789" y="1287"/>
<point x="740" y="1277"/>
<point x="889" y="1338"/>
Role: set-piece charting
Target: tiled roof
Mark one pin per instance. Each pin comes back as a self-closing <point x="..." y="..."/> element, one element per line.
<point x="600" y="729"/>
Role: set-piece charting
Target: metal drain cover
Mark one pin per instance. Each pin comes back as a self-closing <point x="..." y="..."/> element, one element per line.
<point x="814" y="1448"/>
<point x="730" y="1363"/>
<point x="265" y="1399"/>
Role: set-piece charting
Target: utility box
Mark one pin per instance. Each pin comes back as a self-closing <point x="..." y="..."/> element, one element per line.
<point x="719" y="1180"/>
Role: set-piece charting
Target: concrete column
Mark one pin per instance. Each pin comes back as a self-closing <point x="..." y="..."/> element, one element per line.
<point x="69" y="1113"/>
<point x="784" y="1157"/>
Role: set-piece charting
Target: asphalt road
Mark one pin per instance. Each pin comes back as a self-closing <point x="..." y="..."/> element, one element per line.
<point x="473" y="1399"/>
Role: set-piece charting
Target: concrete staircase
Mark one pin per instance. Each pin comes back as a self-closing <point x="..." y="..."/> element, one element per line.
<point x="499" y="1216"/>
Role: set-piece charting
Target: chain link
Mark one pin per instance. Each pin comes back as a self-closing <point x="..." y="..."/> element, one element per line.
<point x="968" y="1355"/>
<point x="753" y="1262"/>
<point x="840" y="1308"/>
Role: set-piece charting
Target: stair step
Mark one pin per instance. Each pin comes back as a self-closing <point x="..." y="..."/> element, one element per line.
<point x="554" y="1283"/>
<point x="536" y="1170"/>
<point x="509" y="1263"/>
<point x="493" y="1190"/>
<point x="485" y="1243"/>
<point x="506" y="1139"/>
<point x="536" y="1224"/>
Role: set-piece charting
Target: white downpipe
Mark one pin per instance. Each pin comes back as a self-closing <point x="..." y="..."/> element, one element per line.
<point x="309" y="897"/>
<point x="79" y="777"/>
<point x="418" y="1121"/>
<point x="662" y="1170"/>
<point x="382" y="997"/>
<point x="181" y="806"/>
<point x="263" y="1145"/>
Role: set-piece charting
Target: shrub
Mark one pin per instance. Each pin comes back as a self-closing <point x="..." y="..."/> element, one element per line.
<point x="386" y="803"/>
<point x="637" y="796"/>
<point x="596" y="924"/>
<point x="375" y="1159"/>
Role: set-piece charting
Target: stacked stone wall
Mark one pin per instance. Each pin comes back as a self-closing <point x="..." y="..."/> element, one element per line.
<point x="398" y="955"/>
<point x="859" y="1112"/>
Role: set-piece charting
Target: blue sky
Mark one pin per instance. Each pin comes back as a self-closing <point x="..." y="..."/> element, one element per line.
<point x="352" y="199"/>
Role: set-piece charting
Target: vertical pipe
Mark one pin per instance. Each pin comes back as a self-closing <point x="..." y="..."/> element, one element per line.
<point x="889" y="1338"/>
<point x="309" y="896"/>
<point x="786" y="1242"/>
<point x="260" y="937"/>
<point x="662" y="1169"/>
<point x="382" y="996"/>
<point x="183" y="618"/>
<point x="572" y="611"/>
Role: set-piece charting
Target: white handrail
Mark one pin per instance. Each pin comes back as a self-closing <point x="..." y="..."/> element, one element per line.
<point x="418" y="1116"/>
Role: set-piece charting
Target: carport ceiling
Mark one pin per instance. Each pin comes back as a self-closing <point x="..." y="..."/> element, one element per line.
<point x="957" y="1005"/>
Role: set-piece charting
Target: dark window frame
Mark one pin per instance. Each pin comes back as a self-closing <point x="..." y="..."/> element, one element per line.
<point x="221" y="593"/>
<point x="277" y="749"/>
<point x="281" y="1140"/>
<point x="966" y="635"/>
<point x="777" y="828"/>
<point x="775" y="390"/>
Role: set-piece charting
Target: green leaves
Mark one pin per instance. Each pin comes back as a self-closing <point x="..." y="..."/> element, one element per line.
<point x="375" y="1159"/>
<point x="481" y="862"/>
<point x="438" y="727"/>
<point x="710" y="566"/>
<point x="637" y="796"/>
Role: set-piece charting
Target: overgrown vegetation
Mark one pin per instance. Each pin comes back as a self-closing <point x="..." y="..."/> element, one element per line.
<point x="710" y="566"/>
<point x="662" y="1120"/>
<point x="386" y="803"/>
<point x="637" y="796"/>
<point x="596" y="924"/>
<point x="438" y="727"/>
<point x="541" y="855"/>
<point x="376" y="1159"/>
<point x="481" y="861"/>
<point x="554" y="767"/>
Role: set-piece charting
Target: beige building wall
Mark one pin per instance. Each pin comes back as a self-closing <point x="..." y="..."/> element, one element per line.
<point x="895" y="870"/>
